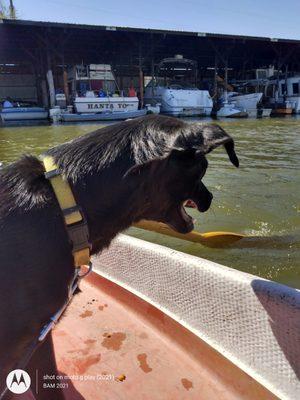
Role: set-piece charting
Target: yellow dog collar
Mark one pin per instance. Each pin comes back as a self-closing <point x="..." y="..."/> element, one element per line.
<point x="75" y="222"/>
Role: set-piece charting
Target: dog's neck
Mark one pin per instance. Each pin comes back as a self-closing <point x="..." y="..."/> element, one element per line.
<point x="110" y="205"/>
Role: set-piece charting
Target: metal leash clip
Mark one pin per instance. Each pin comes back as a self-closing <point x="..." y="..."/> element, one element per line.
<point x="89" y="270"/>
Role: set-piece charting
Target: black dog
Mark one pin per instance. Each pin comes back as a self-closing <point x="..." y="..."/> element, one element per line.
<point x="140" y="169"/>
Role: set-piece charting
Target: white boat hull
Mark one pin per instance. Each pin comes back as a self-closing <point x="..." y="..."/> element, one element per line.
<point x="245" y="101"/>
<point x="108" y="116"/>
<point x="23" y="114"/>
<point x="264" y="112"/>
<point x="292" y="96"/>
<point x="105" y="104"/>
<point x="252" y="112"/>
<point x="230" y="111"/>
<point x="180" y="102"/>
<point x="188" y="112"/>
<point x="295" y="103"/>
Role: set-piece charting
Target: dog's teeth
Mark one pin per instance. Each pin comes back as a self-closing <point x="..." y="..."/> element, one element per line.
<point x="194" y="220"/>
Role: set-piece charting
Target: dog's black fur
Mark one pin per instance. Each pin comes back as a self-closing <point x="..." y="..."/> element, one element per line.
<point x="140" y="169"/>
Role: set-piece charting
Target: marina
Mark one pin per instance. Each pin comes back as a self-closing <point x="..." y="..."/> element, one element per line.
<point x="166" y="76"/>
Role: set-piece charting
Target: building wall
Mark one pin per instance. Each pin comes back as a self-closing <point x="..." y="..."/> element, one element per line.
<point x="18" y="87"/>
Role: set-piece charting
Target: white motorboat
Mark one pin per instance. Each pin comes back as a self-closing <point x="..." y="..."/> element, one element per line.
<point x="23" y="114"/>
<point x="286" y="90"/>
<point x="264" y="112"/>
<point x="102" y="116"/>
<point x="92" y="104"/>
<point x="246" y="102"/>
<point x="281" y="91"/>
<point x="175" y="89"/>
<point x="95" y="90"/>
<point x="229" y="110"/>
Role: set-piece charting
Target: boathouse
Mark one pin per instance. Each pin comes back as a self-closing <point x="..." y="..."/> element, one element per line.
<point x="34" y="56"/>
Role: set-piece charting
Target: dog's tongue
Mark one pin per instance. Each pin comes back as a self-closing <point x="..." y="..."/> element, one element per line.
<point x="191" y="204"/>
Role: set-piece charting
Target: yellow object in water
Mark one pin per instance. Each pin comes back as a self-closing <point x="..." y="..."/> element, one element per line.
<point x="210" y="239"/>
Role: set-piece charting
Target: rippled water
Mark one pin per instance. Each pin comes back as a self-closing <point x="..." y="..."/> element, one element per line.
<point x="261" y="198"/>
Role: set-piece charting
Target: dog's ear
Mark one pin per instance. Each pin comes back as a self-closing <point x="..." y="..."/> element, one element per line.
<point x="213" y="137"/>
<point x="206" y="138"/>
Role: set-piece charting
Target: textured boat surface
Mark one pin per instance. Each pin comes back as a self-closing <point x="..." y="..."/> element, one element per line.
<point x="253" y="322"/>
<point x="152" y="323"/>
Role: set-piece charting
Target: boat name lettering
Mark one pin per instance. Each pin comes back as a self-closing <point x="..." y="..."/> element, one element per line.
<point x="93" y="106"/>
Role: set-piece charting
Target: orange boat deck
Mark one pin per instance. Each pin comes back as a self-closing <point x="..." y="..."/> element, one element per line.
<point x="112" y="345"/>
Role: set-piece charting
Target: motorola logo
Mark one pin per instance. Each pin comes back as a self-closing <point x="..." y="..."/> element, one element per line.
<point x="18" y="381"/>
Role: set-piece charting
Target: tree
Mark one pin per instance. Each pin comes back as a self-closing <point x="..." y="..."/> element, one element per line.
<point x="3" y="11"/>
<point x="7" y="11"/>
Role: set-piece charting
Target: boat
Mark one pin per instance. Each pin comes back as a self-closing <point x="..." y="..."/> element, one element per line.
<point x="247" y="102"/>
<point x="96" y="90"/>
<point x="238" y="97"/>
<point x="286" y="91"/>
<point x="281" y="109"/>
<point x="174" y="88"/>
<point x="92" y="104"/>
<point x="263" y="112"/>
<point x="101" y="116"/>
<point x="229" y="110"/>
<point x="154" y="323"/>
<point x="23" y="114"/>
<point x="281" y="91"/>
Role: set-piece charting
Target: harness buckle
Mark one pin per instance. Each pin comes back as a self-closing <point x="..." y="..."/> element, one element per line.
<point x="79" y="235"/>
<point x="52" y="174"/>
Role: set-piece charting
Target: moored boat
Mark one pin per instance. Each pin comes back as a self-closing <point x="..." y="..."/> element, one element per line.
<point x="247" y="102"/>
<point x="284" y="108"/>
<point x="23" y="114"/>
<point x="96" y="96"/>
<point x="92" y="104"/>
<point x="101" y="116"/>
<point x="287" y="89"/>
<point x="229" y="110"/>
<point x="174" y="88"/>
<point x="264" y="112"/>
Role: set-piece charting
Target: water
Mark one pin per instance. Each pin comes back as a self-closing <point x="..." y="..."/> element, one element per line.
<point x="260" y="198"/>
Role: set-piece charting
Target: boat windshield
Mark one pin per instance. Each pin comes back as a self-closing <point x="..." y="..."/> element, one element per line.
<point x="175" y="73"/>
<point x="171" y="84"/>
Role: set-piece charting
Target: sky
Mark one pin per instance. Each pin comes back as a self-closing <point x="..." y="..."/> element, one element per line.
<point x="270" y="18"/>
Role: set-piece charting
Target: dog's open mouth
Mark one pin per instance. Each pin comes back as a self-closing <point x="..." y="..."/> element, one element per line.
<point x="190" y="203"/>
<point x="180" y="220"/>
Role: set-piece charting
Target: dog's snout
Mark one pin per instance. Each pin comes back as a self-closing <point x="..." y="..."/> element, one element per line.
<point x="202" y="197"/>
<point x="208" y="201"/>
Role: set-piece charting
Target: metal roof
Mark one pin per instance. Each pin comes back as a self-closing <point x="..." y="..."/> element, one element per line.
<point x="23" y="41"/>
<point x="64" y="25"/>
